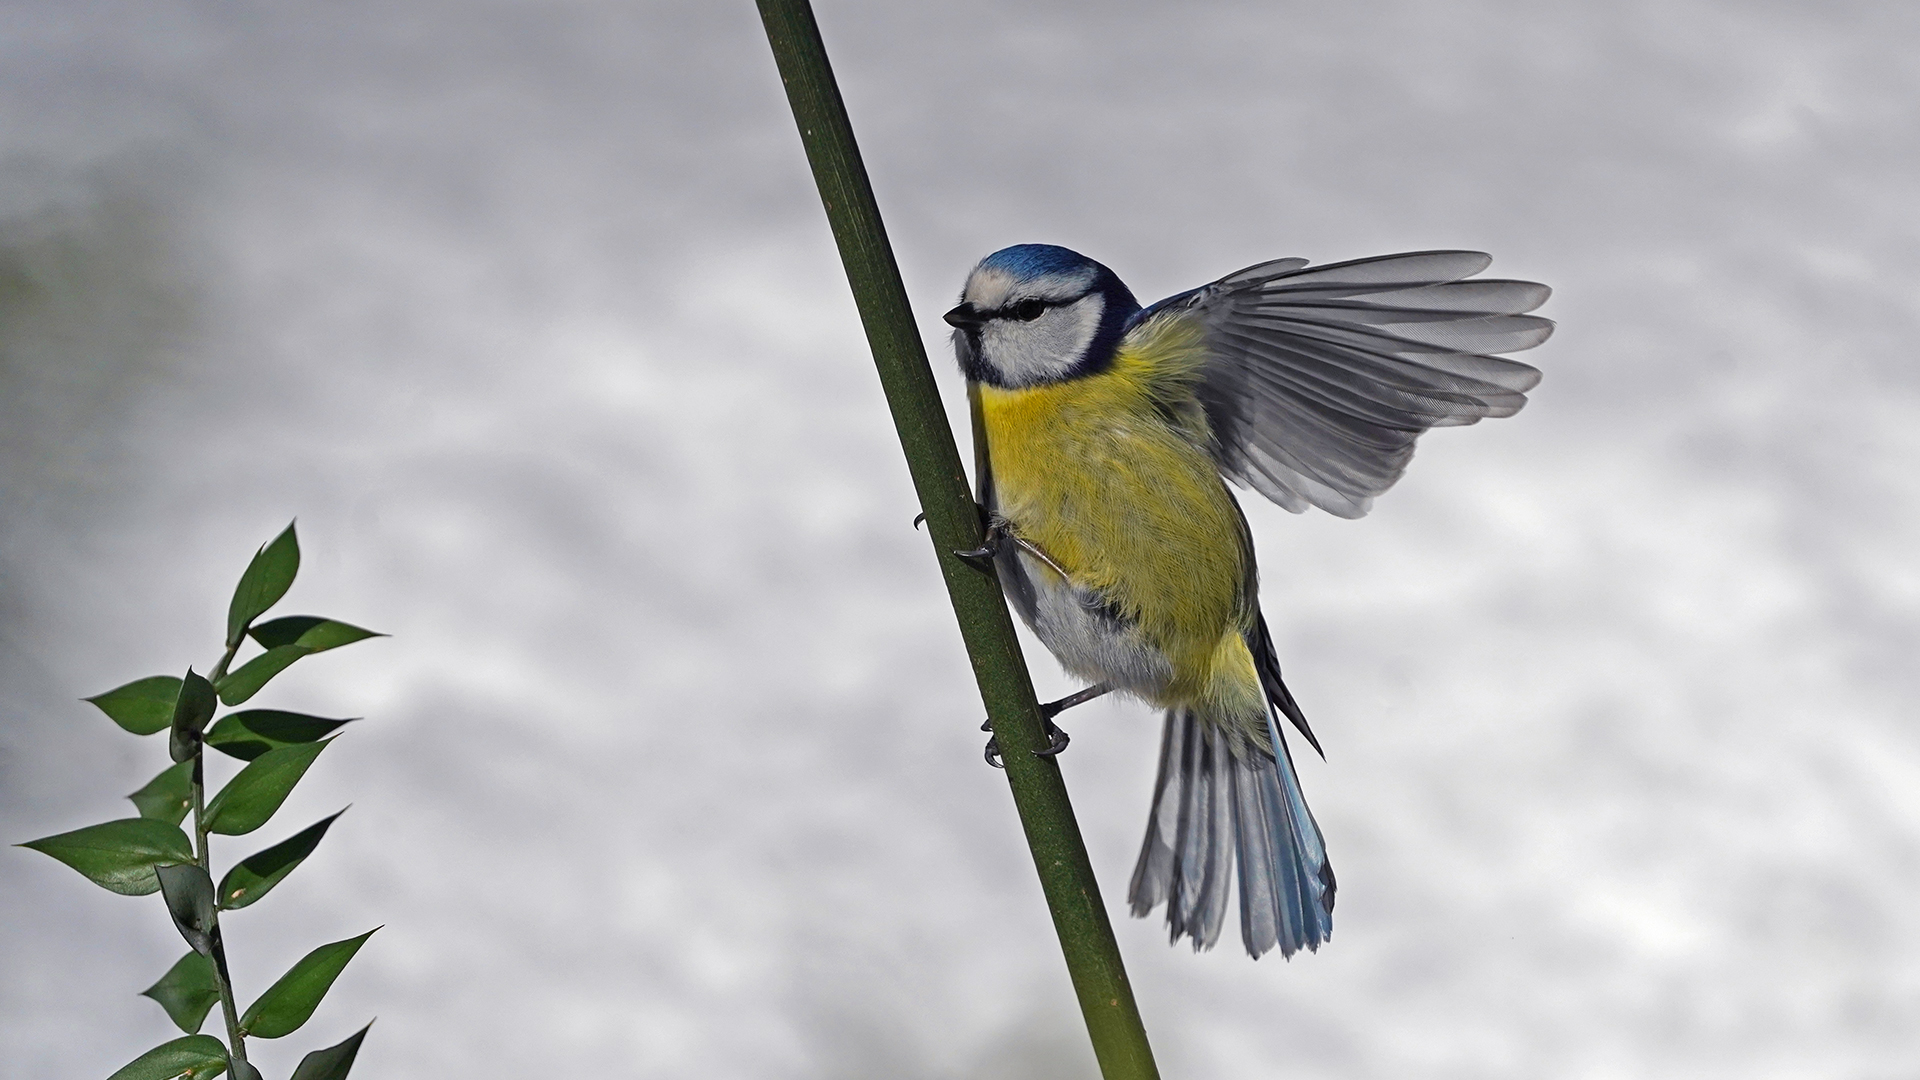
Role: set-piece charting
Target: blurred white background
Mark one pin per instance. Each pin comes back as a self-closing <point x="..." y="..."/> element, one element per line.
<point x="528" y="312"/>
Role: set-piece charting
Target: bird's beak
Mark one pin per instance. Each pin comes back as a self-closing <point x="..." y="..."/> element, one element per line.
<point x="964" y="317"/>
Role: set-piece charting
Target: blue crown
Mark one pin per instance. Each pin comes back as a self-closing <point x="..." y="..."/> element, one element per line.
<point x="1028" y="261"/>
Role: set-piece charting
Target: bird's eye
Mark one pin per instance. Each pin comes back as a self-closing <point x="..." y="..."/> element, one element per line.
<point x="1028" y="310"/>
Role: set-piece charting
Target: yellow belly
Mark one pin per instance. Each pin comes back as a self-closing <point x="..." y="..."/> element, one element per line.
<point x="1131" y="508"/>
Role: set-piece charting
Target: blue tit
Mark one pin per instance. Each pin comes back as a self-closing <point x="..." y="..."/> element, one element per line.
<point x="1105" y="434"/>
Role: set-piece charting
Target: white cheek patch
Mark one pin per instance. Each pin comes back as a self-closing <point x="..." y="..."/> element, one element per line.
<point x="1046" y="348"/>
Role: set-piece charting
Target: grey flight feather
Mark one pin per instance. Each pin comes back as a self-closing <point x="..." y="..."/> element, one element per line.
<point x="1318" y="380"/>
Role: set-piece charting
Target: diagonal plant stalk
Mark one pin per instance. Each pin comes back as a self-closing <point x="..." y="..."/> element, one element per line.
<point x="953" y="523"/>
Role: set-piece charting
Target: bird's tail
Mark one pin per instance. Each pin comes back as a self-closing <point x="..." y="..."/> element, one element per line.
<point x="1214" y="787"/>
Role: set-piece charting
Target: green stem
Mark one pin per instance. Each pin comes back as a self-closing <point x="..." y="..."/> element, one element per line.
<point x="953" y="523"/>
<point x="220" y="669"/>
<point x="229" y="1008"/>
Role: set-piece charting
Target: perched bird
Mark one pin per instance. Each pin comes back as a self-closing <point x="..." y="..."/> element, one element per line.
<point x="1105" y="434"/>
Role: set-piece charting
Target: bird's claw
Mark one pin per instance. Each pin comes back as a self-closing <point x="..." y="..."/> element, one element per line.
<point x="996" y="535"/>
<point x="984" y="553"/>
<point x="1057" y="740"/>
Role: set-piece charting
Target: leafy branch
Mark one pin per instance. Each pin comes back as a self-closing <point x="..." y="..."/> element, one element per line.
<point x="151" y="853"/>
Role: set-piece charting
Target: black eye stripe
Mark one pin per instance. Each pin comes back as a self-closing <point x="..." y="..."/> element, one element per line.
<point x="1029" y="309"/>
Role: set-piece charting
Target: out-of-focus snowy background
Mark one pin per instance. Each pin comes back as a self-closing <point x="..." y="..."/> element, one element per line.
<point x="529" y="313"/>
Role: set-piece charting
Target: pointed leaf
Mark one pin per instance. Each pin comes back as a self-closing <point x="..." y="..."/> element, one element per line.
<point x="196" y="1057"/>
<point x="238" y="686"/>
<point x="246" y="735"/>
<point x="187" y="991"/>
<point x="289" y="1003"/>
<point x="167" y="797"/>
<point x="285" y="630"/>
<point x="258" y="874"/>
<point x="312" y="631"/>
<point x="267" y="579"/>
<point x="333" y="1062"/>
<point x="120" y="855"/>
<point x="191" y="711"/>
<point x="143" y="706"/>
<point x="188" y="892"/>
<point x="252" y="796"/>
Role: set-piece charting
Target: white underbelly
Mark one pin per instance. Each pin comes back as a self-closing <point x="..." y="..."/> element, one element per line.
<point x="1089" y="638"/>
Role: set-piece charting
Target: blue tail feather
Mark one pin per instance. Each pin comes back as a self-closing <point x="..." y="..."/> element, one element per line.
<point x="1213" y="785"/>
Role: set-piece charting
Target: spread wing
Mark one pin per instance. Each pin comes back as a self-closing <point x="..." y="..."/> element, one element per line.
<point x="1318" y="380"/>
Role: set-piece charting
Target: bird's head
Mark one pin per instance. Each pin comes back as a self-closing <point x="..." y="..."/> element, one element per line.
<point x="1036" y="313"/>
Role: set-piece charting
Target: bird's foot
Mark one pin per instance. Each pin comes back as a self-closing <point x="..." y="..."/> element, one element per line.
<point x="1056" y="738"/>
<point x="997" y="535"/>
<point x="993" y="747"/>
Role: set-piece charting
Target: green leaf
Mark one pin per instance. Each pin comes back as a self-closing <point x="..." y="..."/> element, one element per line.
<point x="143" y="706"/>
<point x="312" y="631"/>
<point x="120" y="855"/>
<point x="267" y="579"/>
<point x="238" y="686"/>
<point x="252" y="796"/>
<point x="255" y="876"/>
<point x="187" y="991"/>
<point x="196" y="1057"/>
<point x="333" y="1062"/>
<point x="289" y="1003"/>
<point x="188" y="892"/>
<point x="191" y="711"/>
<point x="247" y="735"/>
<point x="167" y="797"/>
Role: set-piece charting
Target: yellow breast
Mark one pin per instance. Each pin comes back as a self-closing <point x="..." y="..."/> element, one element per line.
<point x="1108" y="475"/>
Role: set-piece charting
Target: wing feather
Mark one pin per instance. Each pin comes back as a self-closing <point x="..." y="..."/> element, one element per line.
<point x="1319" y="380"/>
